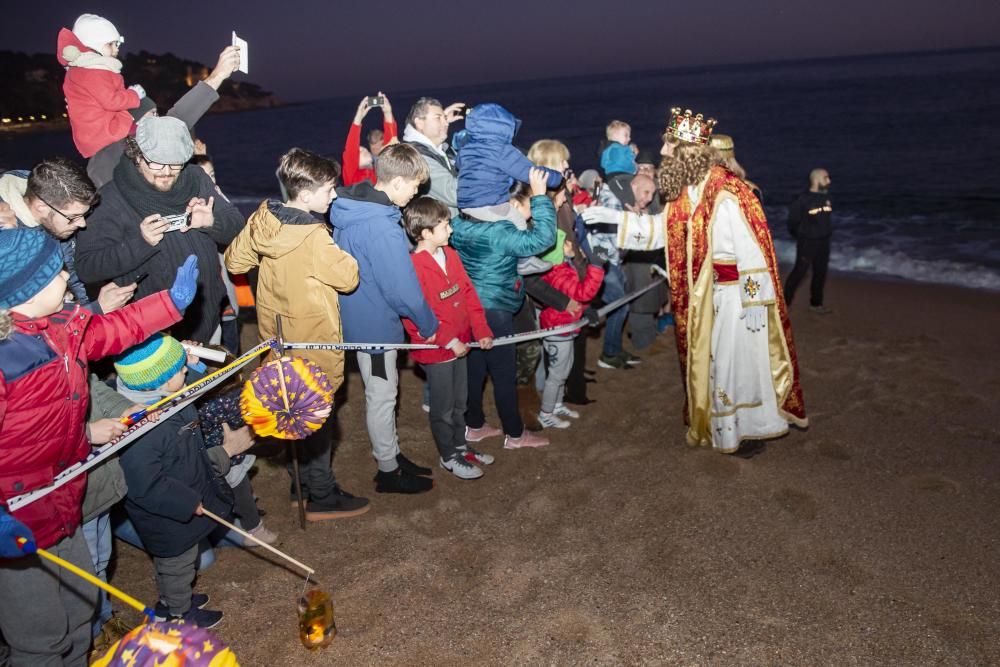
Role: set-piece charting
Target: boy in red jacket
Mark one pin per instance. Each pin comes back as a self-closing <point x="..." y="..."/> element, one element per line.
<point x="451" y="296"/>
<point x="97" y="101"/>
<point x="45" y="346"/>
<point x="559" y="349"/>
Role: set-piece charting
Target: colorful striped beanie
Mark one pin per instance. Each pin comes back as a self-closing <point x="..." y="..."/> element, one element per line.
<point x="150" y="364"/>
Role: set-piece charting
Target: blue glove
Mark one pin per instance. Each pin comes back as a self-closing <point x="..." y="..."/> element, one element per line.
<point x="10" y="530"/>
<point x="186" y="284"/>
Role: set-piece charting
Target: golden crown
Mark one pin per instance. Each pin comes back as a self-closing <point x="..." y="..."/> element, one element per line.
<point x="685" y="126"/>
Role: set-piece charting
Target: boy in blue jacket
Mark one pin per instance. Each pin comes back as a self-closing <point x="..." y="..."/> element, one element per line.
<point x="365" y="221"/>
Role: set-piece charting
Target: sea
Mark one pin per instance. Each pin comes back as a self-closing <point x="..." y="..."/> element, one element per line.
<point x="911" y="141"/>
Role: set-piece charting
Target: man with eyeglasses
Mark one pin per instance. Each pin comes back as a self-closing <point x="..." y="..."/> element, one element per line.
<point x="130" y="238"/>
<point x="427" y="131"/>
<point x="57" y="196"/>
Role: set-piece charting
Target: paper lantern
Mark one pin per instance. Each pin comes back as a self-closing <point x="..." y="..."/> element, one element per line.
<point x="173" y="644"/>
<point x="288" y="398"/>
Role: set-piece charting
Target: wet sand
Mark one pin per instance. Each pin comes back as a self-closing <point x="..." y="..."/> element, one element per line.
<point x="872" y="538"/>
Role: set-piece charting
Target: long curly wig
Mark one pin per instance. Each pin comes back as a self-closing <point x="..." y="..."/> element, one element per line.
<point x="687" y="166"/>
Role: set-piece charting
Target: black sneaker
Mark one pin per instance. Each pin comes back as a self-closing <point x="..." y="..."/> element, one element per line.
<point x="294" y="497"/>
<point x="400" y="481"/>
<point x="203" y="618"/>
<point x="617" y="362"/>
<point x="630" y="359"/>
<point x="338" y="504"/>
<point x="198" y="601"/>
<point x="411" y="468"/>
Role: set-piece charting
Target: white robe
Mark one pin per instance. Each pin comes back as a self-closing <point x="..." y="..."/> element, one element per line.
<point x="744" y="403"/>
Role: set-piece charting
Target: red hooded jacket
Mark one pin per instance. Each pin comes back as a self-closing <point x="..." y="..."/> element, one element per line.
<point x="353" y="173"/>
<point x="565" y="279"/>
<point x="97" y="100"/>
<point x="455" y="304"/>
<point x="44" y="397"/>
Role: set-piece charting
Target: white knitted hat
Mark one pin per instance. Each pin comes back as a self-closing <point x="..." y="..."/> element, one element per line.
<point x="95" y="31"/>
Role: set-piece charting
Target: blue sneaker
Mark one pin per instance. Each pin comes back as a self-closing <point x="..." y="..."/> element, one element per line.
<point x="664" y="322"/>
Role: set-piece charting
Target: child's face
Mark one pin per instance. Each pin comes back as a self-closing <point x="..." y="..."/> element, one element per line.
<point x="522" y="206"/>
<point x="438" y="236"/>
<point x="176" y="383"/>
<point x="622" y="135"/>
<point x="319" y="200"/>
<point x="401" y="190"/>
<point x="50" y="300"/>
<point x="110" y="49"/>
<point x="209" y="169"/>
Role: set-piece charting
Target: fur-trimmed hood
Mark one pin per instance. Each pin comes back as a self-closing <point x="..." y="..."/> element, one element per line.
<point x="71" y="52"/>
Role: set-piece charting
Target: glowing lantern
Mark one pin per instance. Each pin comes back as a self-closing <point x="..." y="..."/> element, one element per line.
<point x="316" y="625"/>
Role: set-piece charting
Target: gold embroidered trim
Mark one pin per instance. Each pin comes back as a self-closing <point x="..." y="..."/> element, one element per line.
<point x="749" y="271"/>
<point x="739" y="406"/>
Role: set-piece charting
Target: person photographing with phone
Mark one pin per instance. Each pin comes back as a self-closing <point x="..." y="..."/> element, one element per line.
<point x="129" y="232"/>
<point x="358" y="163"/>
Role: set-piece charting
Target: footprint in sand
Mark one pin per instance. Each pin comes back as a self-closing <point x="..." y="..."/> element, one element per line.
<point x="799" y="504"/>
<point x="934" y="483"/>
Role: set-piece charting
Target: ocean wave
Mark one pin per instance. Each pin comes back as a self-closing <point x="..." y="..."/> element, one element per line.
<point x="899" y="264"/>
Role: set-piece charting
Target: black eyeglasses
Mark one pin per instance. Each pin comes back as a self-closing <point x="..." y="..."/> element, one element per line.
<point x="157" y="166"/>
<point x="71" y="219"/>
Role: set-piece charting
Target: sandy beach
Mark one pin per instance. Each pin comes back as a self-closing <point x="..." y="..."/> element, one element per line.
<point x="872" y="538"/>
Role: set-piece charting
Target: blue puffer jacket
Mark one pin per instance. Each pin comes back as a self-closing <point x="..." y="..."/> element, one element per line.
<point x="366" y="226"/>
<point x="489" y="251"/>
<point x="488" y="163"/>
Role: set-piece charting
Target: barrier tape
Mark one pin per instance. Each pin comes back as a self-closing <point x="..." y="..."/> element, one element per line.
<point x="181" y="400"/>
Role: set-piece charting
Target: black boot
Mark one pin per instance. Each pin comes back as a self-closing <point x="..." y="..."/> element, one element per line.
<point x="400" y="481"/>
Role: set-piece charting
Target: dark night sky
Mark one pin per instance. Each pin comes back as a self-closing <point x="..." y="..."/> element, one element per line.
<point x="310" y="49"/>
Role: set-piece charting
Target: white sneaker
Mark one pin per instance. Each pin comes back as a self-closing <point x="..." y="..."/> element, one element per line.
<point x="564" y="411"/>
<point x="426" y="408"/>
<point x="461" y="468"/>
<point x="550" y="420"/>
<point x="476" y="457"/>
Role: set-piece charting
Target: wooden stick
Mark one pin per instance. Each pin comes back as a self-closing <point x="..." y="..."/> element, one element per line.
<point x="219" y="519"/>
<point x="293" y="452"/>
<point x="87" y="576"/>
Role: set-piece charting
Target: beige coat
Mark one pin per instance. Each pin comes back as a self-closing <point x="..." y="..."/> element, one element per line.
<point x="301" y="271"/>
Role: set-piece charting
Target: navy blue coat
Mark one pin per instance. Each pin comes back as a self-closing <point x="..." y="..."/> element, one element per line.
<point x="488" y="163"/>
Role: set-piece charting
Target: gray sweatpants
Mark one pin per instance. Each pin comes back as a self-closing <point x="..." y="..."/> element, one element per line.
<point x="46" y="611"/>
<point x="559" y="358"/>
<point x="175" y="579"/>
<point x="381" y="378"/>
<point x="449" y="385"/>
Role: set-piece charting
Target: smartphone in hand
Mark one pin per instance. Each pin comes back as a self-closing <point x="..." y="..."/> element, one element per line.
<point x="376" y="101"/>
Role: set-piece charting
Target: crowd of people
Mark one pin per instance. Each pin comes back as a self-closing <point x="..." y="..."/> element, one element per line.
<point x="455" y="244"/>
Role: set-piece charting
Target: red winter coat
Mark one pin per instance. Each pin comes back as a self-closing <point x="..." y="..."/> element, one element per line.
<point x="97" y="100"/>
<point x="565" y="279"/>
<point x="455" y="304"/>
<point x="44" y="397"/>
<point x="352" y="173"/>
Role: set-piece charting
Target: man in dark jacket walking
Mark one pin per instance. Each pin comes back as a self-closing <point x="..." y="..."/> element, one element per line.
<point x="809" y="225"/>
<point x="128" y="238"/>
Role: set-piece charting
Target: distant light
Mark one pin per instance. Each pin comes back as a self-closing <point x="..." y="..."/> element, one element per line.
<point x="5" y="120"/>
<point x="31" y="118"/>
<point x="64" y="115"/>
<point x="44" y="117"/>
<point x="20" y="119"/>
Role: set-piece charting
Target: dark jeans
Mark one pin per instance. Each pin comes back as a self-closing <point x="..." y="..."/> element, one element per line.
<point x="814" y="253"/>
<point x="614" y="288"/>
<point x="449" y="385"/>
<point x="314" y="453"/>
<point x="576" y="383"/>
<point x="500" y="364"/>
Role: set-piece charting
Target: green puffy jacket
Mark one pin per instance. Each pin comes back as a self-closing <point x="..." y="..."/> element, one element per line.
<point x="490" y="250"/>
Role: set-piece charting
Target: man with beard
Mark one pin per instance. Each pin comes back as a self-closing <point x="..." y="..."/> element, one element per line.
<point x="129" y="238"/>
<point x="738" y="360"/>
<point x="809" y="224"/>
<point x="57" y="196"/>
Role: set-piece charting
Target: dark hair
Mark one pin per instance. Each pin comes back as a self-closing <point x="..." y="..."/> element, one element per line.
<point x="200" y="160"/>
<point x="400" y="161"/>
<point x="60" y="182"/>
<point x="300" y="170"/>
<point x="420" y="108"/>
<point x="424" y="213"/>
<point x="375" y="135"/>
<point x="520" y="191"/>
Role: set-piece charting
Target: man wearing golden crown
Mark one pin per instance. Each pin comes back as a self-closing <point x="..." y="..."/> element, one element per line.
<point x="737" y="355"/>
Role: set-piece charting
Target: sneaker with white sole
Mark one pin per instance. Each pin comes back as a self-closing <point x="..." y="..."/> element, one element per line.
<point x="481" y="433"/>
<point x="461" y="468"/>
<point x="527" y="439"/>
<point x="563" y="410"/>
<point x="261" y="533"/>
<point x="550" y="420"/>
<point x="476" y="457"/>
